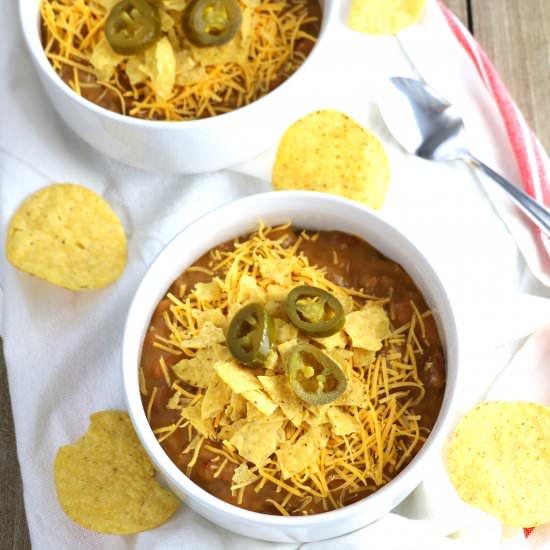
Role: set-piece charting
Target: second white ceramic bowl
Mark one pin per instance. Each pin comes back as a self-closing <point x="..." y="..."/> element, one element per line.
<point x="184" y="147"/>
<point x="312" y="211"/>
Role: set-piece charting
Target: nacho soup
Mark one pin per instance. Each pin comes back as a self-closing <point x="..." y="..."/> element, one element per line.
<point x="254" y="433"/>
<point x="166" y="60"/>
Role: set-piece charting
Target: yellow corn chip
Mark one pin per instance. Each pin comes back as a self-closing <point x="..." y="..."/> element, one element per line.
<point x="104" y="60"/>
<point x="208" y="335"/>
<point x="328" y="151"/>
<point x="342" y="423"/>
<point x="106" y="482"/>
<point x="368" y="327"/>
<point x="217" y="396"/>
<point x="279" y="390"/>
<point x="193" y="413"/>
<point x="284" y="331"/>
<point x="160" y="67"/>
<point x="261" y="401"/>
<point x="249" y="291"/>
<point x="239" y="379"/>
<point x="199" y="370"/>
<point x="208" y="292"/>
<point x="69" y="236"/>
<point x="257" y="441"/>
<point x="304" y="453"/>
<point x="363" y="357"/>
<point x="499" y="461"/>
<point x="242" y="476"/>
<point x="384" y="16"/>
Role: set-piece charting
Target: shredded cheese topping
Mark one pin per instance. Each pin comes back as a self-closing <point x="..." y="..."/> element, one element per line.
<point x="267" y="52"/>
<point x="329" y="453"/>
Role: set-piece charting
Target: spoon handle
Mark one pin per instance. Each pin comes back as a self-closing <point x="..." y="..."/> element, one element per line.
<point x="535" y="211"/>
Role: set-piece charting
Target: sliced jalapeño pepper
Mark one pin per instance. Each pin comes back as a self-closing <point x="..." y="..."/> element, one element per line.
<point x="250" y="335"/>
<point x="314" y="311"/>
<point x="314" y="376"/>
<point x="132" y="26"/>
<point x="211" y="22"/>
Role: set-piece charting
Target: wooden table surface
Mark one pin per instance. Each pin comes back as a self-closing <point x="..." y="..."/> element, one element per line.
<point x="515" y="35"/>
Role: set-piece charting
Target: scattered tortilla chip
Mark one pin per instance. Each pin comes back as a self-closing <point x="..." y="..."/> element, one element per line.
<point x="106" y="482"/>
<point x="384" y="16"/>
<point x="237" y="407"/>
<point x="280" y="391"/>
<point x="304" y="453"/>
<point x="160" y="67"/>
<point x="239" y="379"/>
<point x="199" y="370"/>
<point x="355" y="395"/>
<point x="242" y="476"/>
<point x="249" y="291"/>
<point x="104" y="60"/>
<point x="193" y="413"/>
<point x="260" y="400"/>
<point x="284" y="331"/>
<point x="336" y="340"/>
<point x="328" y="151"/>
<point x="499" y="461"/>
<point x="368" y="326"/>
<point x="208" y="335"/>
<point x="342" y="423"/>
<point x="363" y="357"/>
<point x="257" y="441"/>
<point x="69" y="236"/>
<point x="217" y="396"/>
<point x="208" y="292"/>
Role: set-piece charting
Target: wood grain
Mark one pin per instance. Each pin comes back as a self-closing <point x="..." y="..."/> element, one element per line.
<point x="13" y="525"/>
<point x="516" y="36"/>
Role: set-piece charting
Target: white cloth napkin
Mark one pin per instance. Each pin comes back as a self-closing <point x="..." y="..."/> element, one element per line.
<point x="63" y="348"/>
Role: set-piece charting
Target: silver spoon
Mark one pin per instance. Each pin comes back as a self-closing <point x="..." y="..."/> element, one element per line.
<point x="428" y="126"/>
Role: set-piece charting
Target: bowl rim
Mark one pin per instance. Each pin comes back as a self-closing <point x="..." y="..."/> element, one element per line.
<point x="167" y="468"/>
<point x="34" y="46"/>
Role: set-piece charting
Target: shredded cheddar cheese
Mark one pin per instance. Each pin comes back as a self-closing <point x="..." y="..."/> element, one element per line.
<point x="204" y="81"/>
<point x="361" y="440"/>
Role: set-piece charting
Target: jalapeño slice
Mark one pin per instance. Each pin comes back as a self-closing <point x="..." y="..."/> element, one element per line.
<point x="314" y="376"/>
<point x="250" y="334"/>
<point x="314" y="310"/>
<point x="132" y="26"/>
<point x="211" y="22"/>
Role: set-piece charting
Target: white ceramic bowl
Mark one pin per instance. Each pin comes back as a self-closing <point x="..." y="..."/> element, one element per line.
<point x="184" y="147"/>
<point x="313" y="211"/>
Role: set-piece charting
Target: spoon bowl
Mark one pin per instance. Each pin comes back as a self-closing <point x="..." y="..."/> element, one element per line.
<point x="428" y="126"/>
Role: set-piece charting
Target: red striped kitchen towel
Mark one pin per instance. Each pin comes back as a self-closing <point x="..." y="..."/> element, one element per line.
<point x="529" y="153"/>
<point x="527" y="149"/>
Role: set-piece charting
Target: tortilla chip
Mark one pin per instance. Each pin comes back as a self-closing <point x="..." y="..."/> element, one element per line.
<point x="104" y="60"/>
<point x="336" y="340"/>
<point x="160" y="67"/>
<point x="328" y="151"/>
<point x="249" y="291"/>
<point x="261" y="401"/>
<point x="355" y="394"/>
<point x="342" y="423"/>
<point x="295" y="457"/>
<point x="279" y="390"/>
<point x="284" y="331"/>
<point x="499" y="461"/>
<point x="368" y="327"/>
<point x="363" y="357"/>
<point x="208" y="335"/>
<point x="217" y="396"/>
<point x="199" y="370"/>
<point x="242" y="476"/>
<point x="106" y="482"/>
<point x="239" y="379"/>
<point x="69" y="236"/>
<point x="193" y="413"/>
<point x="208" y="292"/>
<point x="257" y="441"/>
<point x="384" y="16"/>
